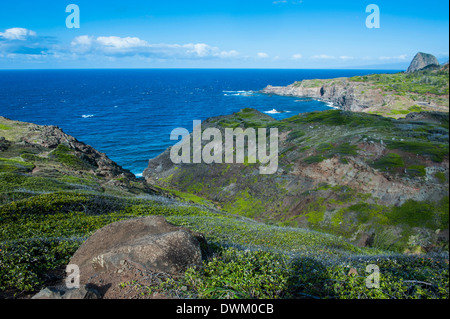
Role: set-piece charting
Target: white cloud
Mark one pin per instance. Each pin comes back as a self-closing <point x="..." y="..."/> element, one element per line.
<point x="82" y="40"/>
<point x="108" y="45"/>
<point x="297" y="56"/>
<point x="17" y="34"/>
<point x="21" y="42"/>
<point x="400" y="57"/>
<point x="262" y="55"/>
<point x="229" y="54"/>
<point x="285" y="1"/>
<point x="345" y="57"/>
<point x="323" y="56"/>
<point x="122" y="43"/>
<point x="133" y="46"/>
<point x="201" y="49"/>
<point x="82" y="44"/>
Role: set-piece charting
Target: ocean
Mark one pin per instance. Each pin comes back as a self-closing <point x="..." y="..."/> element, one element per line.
<point x="129" y="114"/>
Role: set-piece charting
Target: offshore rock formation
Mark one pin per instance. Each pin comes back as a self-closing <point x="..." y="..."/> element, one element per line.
<point x="423" y="61"/>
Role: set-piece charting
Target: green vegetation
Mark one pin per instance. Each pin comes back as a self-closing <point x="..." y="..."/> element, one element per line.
<point x="389" y="161"/>
<point x="328" y="150"/>
<point x="342" y="118"/>
<point x="441" y="177"/>
<point x="400" y="112"/>
<point x="65" y="155"/>
<point x="255" y="274"/>
<point x="15" y="165"/>
<point x="41" y="233"/>
<point x="188" y="197"/>
<point x="12" y="181"/>
<point x="416" y="170"/>
<point x="51" y="202"/>
<point x="414" y="214"/>
<point x="421" y="82"/>
<point x="437" y="151"/>
<point x="245" y="205"/>
<point x="5" y="127"/>
<point x="314" y="159"/>
<point x="346" y="149"/>
<point x="416" y="108"/>
<point x="295" y="135"/>
<point x="356" y="139"/>
<point x="392" y="226"/>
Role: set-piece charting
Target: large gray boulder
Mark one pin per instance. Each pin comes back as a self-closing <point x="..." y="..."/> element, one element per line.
<point x="84" y="292"/>
<point x="147" y="243"/>
<point x="423" y="61"/>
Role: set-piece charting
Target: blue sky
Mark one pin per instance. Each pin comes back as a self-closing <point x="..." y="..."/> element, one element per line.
<point x="220" y="34"/>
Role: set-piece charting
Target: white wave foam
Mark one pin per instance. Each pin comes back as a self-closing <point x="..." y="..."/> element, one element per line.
<point x="87" y="116"/>
<point x="330" y="104"/>
<point x="139" y="175"/>
<point x="274" y="111"/>
<point x="238" y="93"/>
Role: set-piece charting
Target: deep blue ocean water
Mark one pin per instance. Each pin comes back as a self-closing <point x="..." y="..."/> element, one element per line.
<point x="129" y="114"/>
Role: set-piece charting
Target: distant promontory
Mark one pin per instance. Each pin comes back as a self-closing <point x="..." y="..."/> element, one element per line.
<point x="424" y="87"/>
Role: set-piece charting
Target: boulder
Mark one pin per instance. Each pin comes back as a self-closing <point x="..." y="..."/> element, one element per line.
<point x="148" y="243"/>
<point x="422" y="61"/>
<point x="84" y="292"/>
<point x="48" y="293"/>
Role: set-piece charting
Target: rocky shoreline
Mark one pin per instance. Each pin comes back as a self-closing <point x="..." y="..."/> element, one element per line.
<point x="391" y="95"/>
<point x="340" y="92"/>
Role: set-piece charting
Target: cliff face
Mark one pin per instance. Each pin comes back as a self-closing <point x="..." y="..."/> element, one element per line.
<point x="422" y="61"/>
<point x="334" y="168"/>
<point x="391" y="95"/>
<point x="350" y="96"/>
<point x="46" y="152"/>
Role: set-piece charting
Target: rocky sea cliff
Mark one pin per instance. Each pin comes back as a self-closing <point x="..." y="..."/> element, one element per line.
<point x="394" y="95"/>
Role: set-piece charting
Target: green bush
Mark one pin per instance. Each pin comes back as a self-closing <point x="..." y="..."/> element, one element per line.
<point x="416" y="170"/>
<point x="437" y="151"/>
<point x="241" y="274"/>
<point x="346" y="149"/>
<point x="414" y="214"/>
<point x="389" y="161"/>
<point x="295" y="135"/>
<point x="64" y="155"/>
<point x="314" y="159"/>
<point x="13" y="165"/>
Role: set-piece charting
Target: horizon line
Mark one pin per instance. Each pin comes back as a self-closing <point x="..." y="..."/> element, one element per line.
<point x="187" y="68"/>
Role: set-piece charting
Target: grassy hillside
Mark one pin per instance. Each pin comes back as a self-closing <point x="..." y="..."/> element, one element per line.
<point x="412" y="92"/>
<point x="390" y="95"/>
<point x="419" y="83"/>
<point x="53" y="197"/>
<point x="376" y="181"/>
